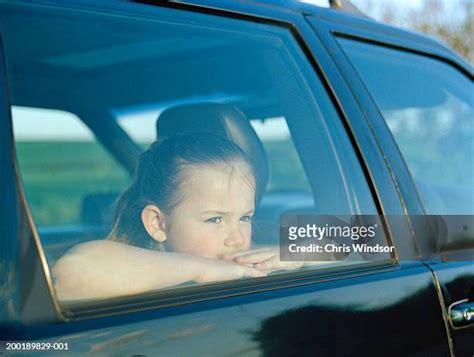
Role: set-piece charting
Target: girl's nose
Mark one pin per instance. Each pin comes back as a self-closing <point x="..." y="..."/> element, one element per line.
<point x="235" y="239"/>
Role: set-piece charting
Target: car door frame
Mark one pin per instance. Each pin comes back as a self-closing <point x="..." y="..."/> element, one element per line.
<point x="9" y="215"/>
<point x="25" y="278"/>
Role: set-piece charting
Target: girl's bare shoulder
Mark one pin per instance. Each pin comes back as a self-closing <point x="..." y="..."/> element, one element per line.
<point x="99" y="247"/>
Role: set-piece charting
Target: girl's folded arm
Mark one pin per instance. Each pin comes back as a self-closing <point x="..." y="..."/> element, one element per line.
<point x="103" y="269"/>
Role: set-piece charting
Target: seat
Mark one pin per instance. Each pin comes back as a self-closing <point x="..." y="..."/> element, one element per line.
<point x="221" y="119"/>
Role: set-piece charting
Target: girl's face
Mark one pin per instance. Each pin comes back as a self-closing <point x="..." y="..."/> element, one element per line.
<point x="214" y="215"/>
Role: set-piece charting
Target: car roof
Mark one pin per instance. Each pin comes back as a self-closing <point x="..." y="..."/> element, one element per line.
<point x="306" y="8"/>
<point x="352" y="20"/>
<point x="267" y="8"/>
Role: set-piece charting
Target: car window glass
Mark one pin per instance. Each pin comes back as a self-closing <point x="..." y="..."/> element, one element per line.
<point x="428" y="106"/>
<point x="246" y="88"/>
<point x="287" y="173"/>
<point x="62" y="165"/>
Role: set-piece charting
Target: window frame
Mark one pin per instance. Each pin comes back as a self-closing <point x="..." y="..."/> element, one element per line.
<point x="301" y="33"/>
<point x="21" y="251"/>
<point x="9" y="218"/>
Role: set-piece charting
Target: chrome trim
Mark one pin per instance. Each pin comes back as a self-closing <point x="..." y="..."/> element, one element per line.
<point x="158" y="299"/>
<point x="469" y="325"/>
<point x="445" y="313"/>
<point x="36" y="238"/>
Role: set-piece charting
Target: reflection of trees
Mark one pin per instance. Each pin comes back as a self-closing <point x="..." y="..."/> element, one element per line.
<point x="425" y="137"/>
<point x="453" y="24"/>
<point x="351" y="329"/>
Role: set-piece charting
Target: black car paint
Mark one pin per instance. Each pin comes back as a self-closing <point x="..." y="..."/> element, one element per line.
<point x="386" y="312"/>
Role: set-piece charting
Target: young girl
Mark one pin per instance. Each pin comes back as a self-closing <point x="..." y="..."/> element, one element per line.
<point x="185" y="218"/>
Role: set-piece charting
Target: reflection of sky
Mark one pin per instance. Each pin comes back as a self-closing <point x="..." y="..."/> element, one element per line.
<point x="141" y="126"/>
<point x="37" y="124"/>
<point x="139" y="122"/>
<point x="443" y="118"/>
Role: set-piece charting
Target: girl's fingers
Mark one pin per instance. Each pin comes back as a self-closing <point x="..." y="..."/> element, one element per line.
<point x="227" y="257"/>
<point x="276" y="264"/>
<point x="253" y="273"/>
<point x="233" y="256"/>
<point x="268" y="264"/>
<point x="257" y="257"/>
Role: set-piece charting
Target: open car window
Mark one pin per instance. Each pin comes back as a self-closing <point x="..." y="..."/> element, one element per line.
<point x="140" y="80"/>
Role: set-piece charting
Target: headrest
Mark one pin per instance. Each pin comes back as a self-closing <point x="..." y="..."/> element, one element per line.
<point x="221" y="119"/>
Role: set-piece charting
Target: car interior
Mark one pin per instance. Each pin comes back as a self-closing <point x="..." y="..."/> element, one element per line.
<point x="214" y="118"/>
<point x="192" y="84"/>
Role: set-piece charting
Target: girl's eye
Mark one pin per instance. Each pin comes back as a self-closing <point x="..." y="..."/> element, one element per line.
<point x="214" y="220"/>
<point x="246" y="218"/>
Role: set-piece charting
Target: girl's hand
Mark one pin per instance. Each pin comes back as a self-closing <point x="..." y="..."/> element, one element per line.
<point x="212" y="270"/>
<point x="265" y="259"/>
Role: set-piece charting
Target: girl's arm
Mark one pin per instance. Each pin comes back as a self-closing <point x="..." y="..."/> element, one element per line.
<point x="104" y="269"/>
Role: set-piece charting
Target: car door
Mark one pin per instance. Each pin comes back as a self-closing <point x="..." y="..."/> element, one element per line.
<point x="287" y="84"/>
<point x="418" y="96"/>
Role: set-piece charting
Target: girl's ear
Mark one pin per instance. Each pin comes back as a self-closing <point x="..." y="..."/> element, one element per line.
<point x="153" y="220"/>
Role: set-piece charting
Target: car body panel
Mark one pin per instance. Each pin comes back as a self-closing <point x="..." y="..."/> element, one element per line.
<point x="341" y="317"/>
<point x="455" y="280"/>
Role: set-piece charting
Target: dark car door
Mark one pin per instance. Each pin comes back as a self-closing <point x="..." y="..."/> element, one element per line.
<point x="322" y="153"/>
<point x="417" y="95"/>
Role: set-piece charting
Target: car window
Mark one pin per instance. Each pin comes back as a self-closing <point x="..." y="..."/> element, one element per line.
<point x="61" y="165"/>
<point x="428" y="106"/>
<point x="238" y="142"/>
